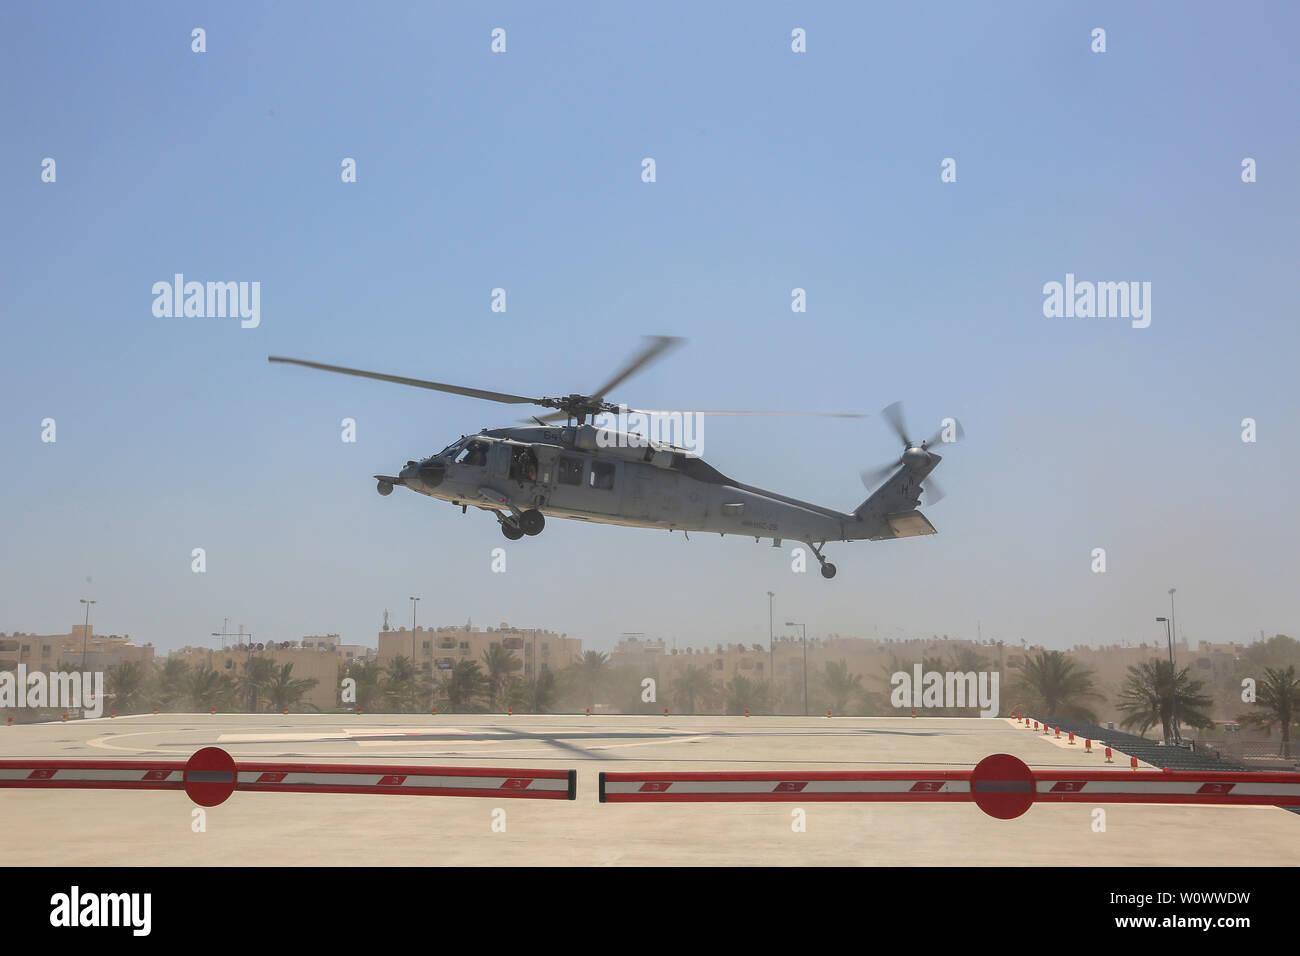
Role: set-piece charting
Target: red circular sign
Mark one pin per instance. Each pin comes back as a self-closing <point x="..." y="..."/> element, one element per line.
<point x="210" y="776"/>
<point x="1002" y="786"/>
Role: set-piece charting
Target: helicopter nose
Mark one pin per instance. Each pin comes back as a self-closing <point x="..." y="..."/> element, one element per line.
<point x="430" y="472"/>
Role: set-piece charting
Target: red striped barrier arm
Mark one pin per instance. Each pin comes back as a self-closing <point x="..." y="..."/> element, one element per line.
<point x="1000" y="785"/>
<point x="210" y="783"/>
<point x="795" y="786"/>
<point x="1231" y="789"/>
<point x="430" y="781"/>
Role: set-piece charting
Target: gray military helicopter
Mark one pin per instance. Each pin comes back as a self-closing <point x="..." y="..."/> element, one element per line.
<point x="576" y="470"/>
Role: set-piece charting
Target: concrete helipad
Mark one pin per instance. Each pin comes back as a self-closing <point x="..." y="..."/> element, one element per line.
<point x="106" y="827"/>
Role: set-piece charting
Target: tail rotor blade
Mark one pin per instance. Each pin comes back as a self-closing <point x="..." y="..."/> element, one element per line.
<point x="894" y="415"/>
<point x="933" y="493"/>
<point x="874" y="476"/>
<point x="937" y="437"/>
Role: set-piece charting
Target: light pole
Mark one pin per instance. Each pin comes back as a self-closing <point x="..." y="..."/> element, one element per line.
<point x="1173" y="700"/>
<point x="1172" y="696"/>
<point x="771" y="654"/>
<point x="413" y="600"/>
<point x="85" y="632"/>
<point x="804" y="628"/>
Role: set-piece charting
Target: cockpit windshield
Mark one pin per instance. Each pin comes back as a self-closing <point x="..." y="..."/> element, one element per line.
<point x="450" y="450"/>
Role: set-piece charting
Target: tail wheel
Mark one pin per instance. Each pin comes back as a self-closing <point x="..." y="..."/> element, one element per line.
<point x="828" y="570"/>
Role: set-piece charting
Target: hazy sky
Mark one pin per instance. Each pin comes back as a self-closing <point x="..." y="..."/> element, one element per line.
<point x="775" y="170"/>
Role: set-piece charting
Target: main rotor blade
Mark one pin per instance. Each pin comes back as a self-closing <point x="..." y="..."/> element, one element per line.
<point x="894" y="415"/>
<point x="681" y="411"/>
<point x="654" y="347"/>
<point x="490" y="396"/>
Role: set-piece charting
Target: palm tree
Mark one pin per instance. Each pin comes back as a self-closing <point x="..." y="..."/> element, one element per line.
<point x="1145" y="698"/>
<point x="126" y="684"/>
<point x="464" y="686"/>
<point x="286" y="691"/>
<point x="400" y="685"/>
<point x="591" y="672"/>
<point x="965" y="659"/>
<point x="501" y="663"/>
<point x="694" y="686"/>
<point x="518" y="694"/>
<point x="206" y="688"/>
<point x="1056" y="685"/>
<point x="744" y="694"/>
<point x="254" y="680"/>
<point x="840" y="686"/>
<point x="543" y="691"/>
<point x="1278" y="694"/>
<point x="173" y="683"/>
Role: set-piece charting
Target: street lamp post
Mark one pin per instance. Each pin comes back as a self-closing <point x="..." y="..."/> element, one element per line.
<point x="804" y="628"/>
<point x="85" y="632"/>
<point x="1173" y="698"/>
<point x="771" y="654"/>
<point x="413" y="600"/>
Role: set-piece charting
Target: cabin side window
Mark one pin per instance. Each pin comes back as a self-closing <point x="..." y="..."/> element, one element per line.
<point x="569" y="471"/>
<point x="523" y="464"/>
<point x="602" y="474"/>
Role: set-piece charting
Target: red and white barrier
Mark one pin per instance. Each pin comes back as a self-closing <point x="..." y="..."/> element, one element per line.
<point x="1002" y="786"/>
<point x="211" y="775"/>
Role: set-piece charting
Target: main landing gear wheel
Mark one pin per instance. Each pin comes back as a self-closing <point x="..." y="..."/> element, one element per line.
<point x="532" y="521"/>
<point x="828" y="570"/>
<point x="385" y="488"/>
<point x="511" y="532"/>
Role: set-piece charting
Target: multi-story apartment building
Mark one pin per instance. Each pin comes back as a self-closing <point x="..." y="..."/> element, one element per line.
<point x="45" y="652"/>
<point x="436" y="650"/>
<point x="319" y="662"/>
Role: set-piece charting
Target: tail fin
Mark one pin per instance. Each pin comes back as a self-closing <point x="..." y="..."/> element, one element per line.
<point x="891" y="512"/>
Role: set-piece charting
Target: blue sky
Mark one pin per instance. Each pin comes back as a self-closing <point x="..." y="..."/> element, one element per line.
<point x="775" y="170"/>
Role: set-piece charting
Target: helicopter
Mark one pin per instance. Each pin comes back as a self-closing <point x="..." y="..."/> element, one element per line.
<point x="526" y="473"/>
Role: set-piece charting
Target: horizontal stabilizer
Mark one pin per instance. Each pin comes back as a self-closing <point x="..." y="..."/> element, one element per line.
<point x="908" y="524"/>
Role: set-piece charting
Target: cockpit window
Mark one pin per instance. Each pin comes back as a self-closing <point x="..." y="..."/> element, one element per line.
<point x="474" y="454"/>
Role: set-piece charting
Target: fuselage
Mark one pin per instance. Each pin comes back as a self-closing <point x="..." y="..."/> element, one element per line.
<point x="590" y="474"/>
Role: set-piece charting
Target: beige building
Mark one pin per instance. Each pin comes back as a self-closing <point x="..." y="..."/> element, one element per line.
<point x="872" y="660"/>
<point x="45" y="652"/>
<point x="437" y="650"/>
<point x="322" y="663"/>
<point x="347" y="652"/>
